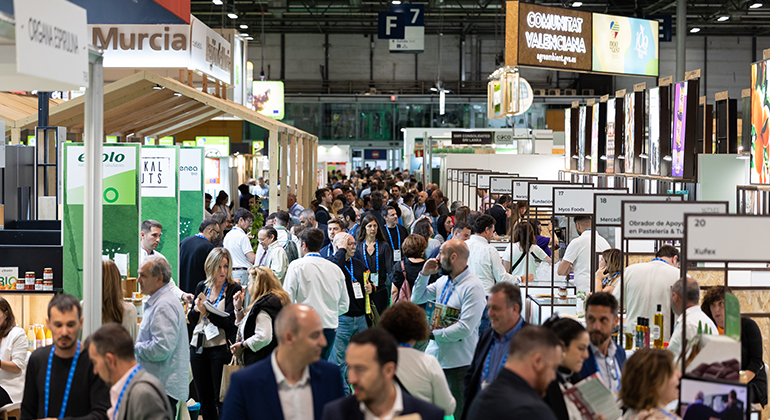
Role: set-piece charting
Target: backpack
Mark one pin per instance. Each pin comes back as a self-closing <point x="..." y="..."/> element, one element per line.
<point x="291" y="249"/>
<point x="405" y="293"/>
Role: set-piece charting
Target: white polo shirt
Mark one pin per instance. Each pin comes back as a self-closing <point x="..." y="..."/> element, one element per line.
<point x="578" y="253"/>
<point x="320" y="284"/>
<point x="238" y="244"/>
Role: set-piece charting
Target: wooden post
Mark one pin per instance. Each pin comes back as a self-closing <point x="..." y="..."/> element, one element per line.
<point x="301" y="178"/>
<point x="189" y="78"/>
<point x="273" y="172"/>
<point x="205" y="84"/>
<point x="15" y="135"/>
<point x="294" y="182"/>
<point x="181" y="76"/>
<point x="284" y="169"/>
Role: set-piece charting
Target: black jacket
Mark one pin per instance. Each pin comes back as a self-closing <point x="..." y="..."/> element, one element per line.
<point x="501" y="218"/>
<point x="555" y="398"/>
<point x="357" y="307"/>
<point x="192" y="256"/>
<point x="228" y="323"/>
<point x="473" y="377"/>
<point x="751" y="359"/>
<point x="322" y="215"/>
<point x="271" y="304"/>
<point x="507" y="395"/>
<point x="348" y="408"/>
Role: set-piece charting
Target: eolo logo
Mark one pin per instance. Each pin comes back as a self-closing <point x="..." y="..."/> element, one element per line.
<point x="107" y="157"/>
<point x="111" y="195"/>
<point x="614" y="28"/>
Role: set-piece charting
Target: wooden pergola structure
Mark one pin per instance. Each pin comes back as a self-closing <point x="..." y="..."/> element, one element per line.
<point x="145" y="104"/>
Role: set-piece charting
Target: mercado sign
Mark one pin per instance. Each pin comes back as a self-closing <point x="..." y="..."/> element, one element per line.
<point x="547" y="37"/>
<point x="567" y="39"/>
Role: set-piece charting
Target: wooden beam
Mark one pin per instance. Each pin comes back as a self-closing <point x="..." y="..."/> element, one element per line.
<point x="181" y="75"/>
<point x="301" y="179"/>
<point x="190" y="78"/>
<point x="292" y="164"/>
<point x="178" y="128"/>
<point x="273" y="171"/>
<point x="284" y="170"/>
<point x="152" y="119"/>
<point x="205" y="84"/>
<point x="189" y="119"/>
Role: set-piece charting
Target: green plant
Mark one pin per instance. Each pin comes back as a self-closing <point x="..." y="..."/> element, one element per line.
<point x="257" y="223"/>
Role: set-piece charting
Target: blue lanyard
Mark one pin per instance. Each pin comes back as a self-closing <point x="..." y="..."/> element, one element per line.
<point x="393" y="247"/>
<point x="376" y="256"/>
<point x="660" y="259"/>
<point x="201" y="236"/>
<point x="350" y="270"/>
<point x="69" y="381"/>
<point x="441" y="300"/>
<point x="669" y="415"/>
<point x="489" y="358"/>
<point x="353" y="229"/>
<point x="313" y="254"/>
<point x="221" y="292"/>
<point x="614" y="364"/>
<point x="122" y="391"/>
<point x="405" y="345"/>
<point x="610" y="279"/>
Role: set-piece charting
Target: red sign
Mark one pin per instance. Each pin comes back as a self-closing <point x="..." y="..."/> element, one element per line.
<point x="418" y="153"/>
<point x="375" y="154"/>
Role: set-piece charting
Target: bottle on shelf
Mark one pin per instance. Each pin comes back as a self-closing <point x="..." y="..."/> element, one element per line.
<point x="48" y="337"/>
<point x="646" y="325"/>
<point x="639" y="343"/>
<point x="31" y="338"/>
<point x="39" y="337"/>
<point x="657" y="328"/>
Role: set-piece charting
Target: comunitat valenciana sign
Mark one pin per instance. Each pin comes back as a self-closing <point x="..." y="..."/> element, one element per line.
<point x="547" y="37"/>
<point x="567" y="39"/>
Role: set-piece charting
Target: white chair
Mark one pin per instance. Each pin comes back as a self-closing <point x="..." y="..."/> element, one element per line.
<point x="11" y="410"/>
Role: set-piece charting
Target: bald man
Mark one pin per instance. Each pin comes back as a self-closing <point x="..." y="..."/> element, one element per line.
<point x="454" y="345"/>
<point x="294" y="382"/>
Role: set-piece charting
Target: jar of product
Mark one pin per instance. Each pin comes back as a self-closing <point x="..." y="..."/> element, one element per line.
<point x="48" y="285"/>
<point x="48" y="274"/>
<point x="39" y="284"/>
<point x="562" y="292"/>
<point x="29" y="281"/>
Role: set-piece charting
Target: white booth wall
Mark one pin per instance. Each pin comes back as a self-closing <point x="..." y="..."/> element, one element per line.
<point x="543" y="167"/>
<point x="336" y="154"/>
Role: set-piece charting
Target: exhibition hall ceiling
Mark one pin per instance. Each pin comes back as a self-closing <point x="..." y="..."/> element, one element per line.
<point x="469" y="17"/>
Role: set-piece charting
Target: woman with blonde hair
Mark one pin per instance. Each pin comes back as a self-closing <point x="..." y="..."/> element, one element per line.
<point x="608" y="274"/>
<point x="337" y="207"/>
<point x="209" y="350"/>
<point x="649" y="382"/>
<point x="13" y="355"/>
<point x="114" y="308"/>
<point x="255" y="329"/>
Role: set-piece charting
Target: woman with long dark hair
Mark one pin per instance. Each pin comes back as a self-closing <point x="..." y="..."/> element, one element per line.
<point x="13" y="355"/>
<point x="525" y="243"/>
<point x="114" y="308"/>
<point x="444" y="227"/>
<point x="575" y="342"/>
<point x="375" y="252"/>
<point x="423" y="228"/>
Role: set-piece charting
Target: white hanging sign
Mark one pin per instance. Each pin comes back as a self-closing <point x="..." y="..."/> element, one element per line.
<point x="662" y="220"/>
<point x="608" y="207"/>
<point x="569" y="201"/>
<point x="158" y="177"/>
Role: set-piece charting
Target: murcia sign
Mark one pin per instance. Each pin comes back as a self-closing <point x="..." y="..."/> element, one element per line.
<point x="151" y="46"/>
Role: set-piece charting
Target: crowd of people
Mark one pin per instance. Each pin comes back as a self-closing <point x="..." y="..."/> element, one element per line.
<point x="326" y="315"/>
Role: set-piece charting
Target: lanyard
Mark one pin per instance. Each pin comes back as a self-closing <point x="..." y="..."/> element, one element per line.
<point x="376" y="257"/>
<point x="669" y="415"/>
<point x="353" y="229"/>
<point x="313" y="254"/>
<point x="69" y="381"/>
<point x="441" y="300"/>
<point x="393" y="247"/>
<point x="221" y="292"/>
<point x="660" y="259"/>
<point x="611" y="279"/>
<point x="122" y="391"/>
<point x="350" y="270"/>
<point x="405" y="345"/>
<point x="489" y="358"/>
<point x="261" y="260"/>
<point x="617" y="374"/>
<point x="201" y="236"/>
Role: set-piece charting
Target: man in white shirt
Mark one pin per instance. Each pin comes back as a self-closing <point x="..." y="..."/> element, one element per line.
<point x="293" y="383"/>
<point x="149" y="238"/>
<point x="281" y="225"/>
<point x="696" y="319"/>
<point x="319" y="283"/>
<point x="485" y="261"/>
<point x="237" y="242"/>
<point x="262" y="190"/>
<point x="372" y="357"/>
<point x="577" y="257"/>
<point x="270" y="252"/>
<point x="648" y="285"/>
<point x="407" y="216"/>
<point x="454" y="345"/>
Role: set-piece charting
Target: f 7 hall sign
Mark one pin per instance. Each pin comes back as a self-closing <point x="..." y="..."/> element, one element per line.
<point x="550" y="37"/>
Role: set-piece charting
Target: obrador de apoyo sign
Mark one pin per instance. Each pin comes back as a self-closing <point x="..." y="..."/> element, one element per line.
<point x="550" y="37"/>
<point x="472" y="137"/>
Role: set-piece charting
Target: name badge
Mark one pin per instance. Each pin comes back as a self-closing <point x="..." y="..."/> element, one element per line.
<point x="375" y="278"/>
<point x="211" y="331"/>
<point x="357" y="291"/>
<point x="397" y="255"/>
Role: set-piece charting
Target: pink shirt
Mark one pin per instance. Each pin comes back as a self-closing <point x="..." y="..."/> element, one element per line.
<point x="115" y="391"/>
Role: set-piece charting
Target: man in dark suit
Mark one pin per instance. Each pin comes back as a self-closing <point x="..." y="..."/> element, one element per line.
<point x="372" y="357"/>
<point x="504" y="304"/>
<point x="531" y="366"/>
<point x="293" y="382"/>
<point x="307" y="219"/>
<point x="498" y="211"/>
<point x="324" y="197"/>
<point x="193" y="252"/>
<point x="603" y="355"/>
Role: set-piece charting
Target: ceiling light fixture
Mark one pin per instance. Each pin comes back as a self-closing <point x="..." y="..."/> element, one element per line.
<point x="396" y="2"/>
<point x="755" y="6"/>
<point x="694" y="30"/>
<point x="244" y="26"/>
<point x="217" y="2"/>
<point x="243" y="34"/>
<point x="723" y="18"/>
<point x="577" y="4"/>
<point x="249" y="38"/>
<point x="232" y="16"/>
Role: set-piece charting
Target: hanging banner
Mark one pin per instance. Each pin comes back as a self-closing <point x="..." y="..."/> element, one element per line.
<point x="680" y="120"/>
<point x="160" y="197"/>
<point x="120" y="213"/>
<point x="414" y="29"/>
<point x="190" y="190"/>
<point x="625" y="45"/>
<point x="472" y="137"/>
<point x="210" y="53"/>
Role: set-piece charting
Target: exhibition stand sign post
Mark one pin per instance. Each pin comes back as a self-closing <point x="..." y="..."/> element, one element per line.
<point x="474" y="186"/>
<point x="120" y="200"/>
<point x="191" y="200"/>
<point x="716" y="240"/>
<point x="160" y="197"/>
<point x="658" y="221"/>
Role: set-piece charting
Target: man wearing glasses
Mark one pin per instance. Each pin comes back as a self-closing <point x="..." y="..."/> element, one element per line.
<point x="605" y="356"/>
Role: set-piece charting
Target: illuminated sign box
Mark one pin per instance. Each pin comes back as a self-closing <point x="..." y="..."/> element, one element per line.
<point x="268" y="99"/>
<point x="214" y="147"/>
<point x="625" y="45"/>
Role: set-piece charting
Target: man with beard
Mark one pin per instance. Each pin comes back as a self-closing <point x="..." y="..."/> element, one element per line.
<point x="372" y="357"/>
<point x="60" y="379"/>
<point x="605" y="356"/>
<point x="454" y="345"/>
<point x="531" y="366"/>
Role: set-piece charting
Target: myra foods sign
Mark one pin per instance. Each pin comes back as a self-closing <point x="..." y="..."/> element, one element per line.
<point x="541" y="36"/>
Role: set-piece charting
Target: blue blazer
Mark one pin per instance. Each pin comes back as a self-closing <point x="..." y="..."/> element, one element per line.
<point x="348" y="408"/>
<point x="589" y="365"/>
<point x="253" y="392"/>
